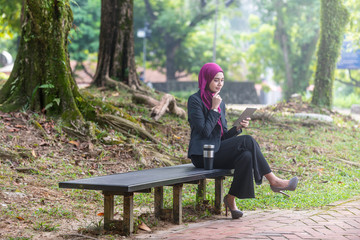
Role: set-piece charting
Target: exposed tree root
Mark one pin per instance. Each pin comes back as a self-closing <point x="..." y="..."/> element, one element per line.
<point x="167" y="104"/>
<point x="112" y="82"/>
<point x="84" y="132"/>
<point x="126" y="127"/>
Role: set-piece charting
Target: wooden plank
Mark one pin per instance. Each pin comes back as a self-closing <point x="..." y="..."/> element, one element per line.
<point x="145" y="179"/>
<point x="148" y="190"/>
<point x="158" y="201"/>
<point x="128" y="222"/>
<point x="108" y="210"/>
<point x="219" y="194"/>
<point x="177" y="203"/>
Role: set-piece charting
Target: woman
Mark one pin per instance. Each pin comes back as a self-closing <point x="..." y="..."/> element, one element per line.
<point x="206" y="115"/>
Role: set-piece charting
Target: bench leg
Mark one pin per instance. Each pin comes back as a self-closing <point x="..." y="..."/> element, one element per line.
<point x="177" y="203"/>
<point x="219" y="194"/>
<point x="108" y="210"/>
<point x="201" y="192"/>
<point x="158" y="201"/>
<point x="128" y="223"/>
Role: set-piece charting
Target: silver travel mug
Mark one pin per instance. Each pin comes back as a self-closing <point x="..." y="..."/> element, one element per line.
<point x="208" y="156"/>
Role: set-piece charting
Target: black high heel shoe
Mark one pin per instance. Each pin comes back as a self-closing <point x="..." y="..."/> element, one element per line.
<point x="235" y="214"/>
<point x="290" y="187"/>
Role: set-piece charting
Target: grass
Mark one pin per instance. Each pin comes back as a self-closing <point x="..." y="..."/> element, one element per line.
<point x="346" y="101"/>
<point x="323" y="156"/>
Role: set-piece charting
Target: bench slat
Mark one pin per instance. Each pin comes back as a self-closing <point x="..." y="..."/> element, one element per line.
<point x="144" y="179"/>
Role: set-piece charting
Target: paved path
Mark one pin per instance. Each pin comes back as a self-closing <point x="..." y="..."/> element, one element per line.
<point x="338" y="221"/>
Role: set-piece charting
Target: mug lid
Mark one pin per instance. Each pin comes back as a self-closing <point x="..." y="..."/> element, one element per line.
<point x="209" y="146"/>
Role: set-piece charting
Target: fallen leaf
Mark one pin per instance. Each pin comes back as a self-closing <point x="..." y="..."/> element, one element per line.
<point x="43" y="144"/>
<point x="20" y="218"/>
<point x="33" y="153"/>
<point x="77" y="144"/>
<point x="176" y="137"/>
<point x="143" y="226"/>
<point x="100" y="214"/>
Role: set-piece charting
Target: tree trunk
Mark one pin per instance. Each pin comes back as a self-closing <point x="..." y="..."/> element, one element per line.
<point x="334" y="17"/>
<point x="302" y="72"/>
<point x="41" y="78"/>
<point x="171" y="46"/>
<point x="283" y="40"/>
<point x="116" y="50"/>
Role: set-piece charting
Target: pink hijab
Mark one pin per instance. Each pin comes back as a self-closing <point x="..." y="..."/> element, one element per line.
<point x="206" y="75"/>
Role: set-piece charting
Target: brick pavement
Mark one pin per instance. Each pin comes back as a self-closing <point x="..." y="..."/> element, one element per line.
<point x="340" y="220"/>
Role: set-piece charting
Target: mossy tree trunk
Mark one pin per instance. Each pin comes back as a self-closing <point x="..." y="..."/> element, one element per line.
<point x="116" y="58"/>
<point x="334" y="17"/>
<point x="41" y="78"/>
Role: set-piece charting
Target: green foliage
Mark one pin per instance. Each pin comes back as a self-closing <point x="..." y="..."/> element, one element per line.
<point x="353" y="31"/>
<point x="263" y="53"/>
<point x="183" y="31"/>
<point x="293" y="27"/>
<point x="84" y="37"/>
<point x="9" y="25"/>
<point x="10" y="17"/>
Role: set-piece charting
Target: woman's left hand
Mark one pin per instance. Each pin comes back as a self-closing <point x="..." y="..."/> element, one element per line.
<point x="244" y="124"/>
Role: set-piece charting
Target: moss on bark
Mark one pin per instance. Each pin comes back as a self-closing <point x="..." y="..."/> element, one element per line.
<point x="334" y="17"/>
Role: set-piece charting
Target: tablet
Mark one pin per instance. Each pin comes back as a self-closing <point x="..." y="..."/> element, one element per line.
<point x="247" y="113"/>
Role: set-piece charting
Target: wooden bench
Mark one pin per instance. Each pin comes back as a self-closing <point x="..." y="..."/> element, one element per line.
<point x="126" y="184"/>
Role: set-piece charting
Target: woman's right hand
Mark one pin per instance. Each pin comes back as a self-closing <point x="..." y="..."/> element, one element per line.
<point x="216" y="100"/>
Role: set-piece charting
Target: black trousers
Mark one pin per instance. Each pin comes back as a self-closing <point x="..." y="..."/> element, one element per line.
<point x="243" y="154"/>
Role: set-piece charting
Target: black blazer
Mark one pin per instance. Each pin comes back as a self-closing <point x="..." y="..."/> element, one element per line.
<point x="204" y="127"/>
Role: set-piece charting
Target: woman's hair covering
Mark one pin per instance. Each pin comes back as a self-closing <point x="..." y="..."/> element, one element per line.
<point x="206" y="75"/>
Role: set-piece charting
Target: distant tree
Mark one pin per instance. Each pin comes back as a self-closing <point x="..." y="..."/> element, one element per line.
<point x="10" y="12"/>
<point x="171" y="23"/>
<point x="84" y="36"/>
<point x="334" y="17"/>
<point x="296" y="35"/>
<point x="116" y="58"/>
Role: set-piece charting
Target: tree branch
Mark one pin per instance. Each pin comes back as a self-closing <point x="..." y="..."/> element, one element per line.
<point x="352" y="83"/>
<point x="150" y="10"/>
<point x="355" y="82"/>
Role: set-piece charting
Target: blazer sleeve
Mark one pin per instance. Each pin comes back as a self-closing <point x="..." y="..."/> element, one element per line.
<point x="232" y="132"/>
<point x="201" y="120"/>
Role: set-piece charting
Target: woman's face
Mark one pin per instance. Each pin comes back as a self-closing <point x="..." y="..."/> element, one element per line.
<point x="217" y="83"/>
